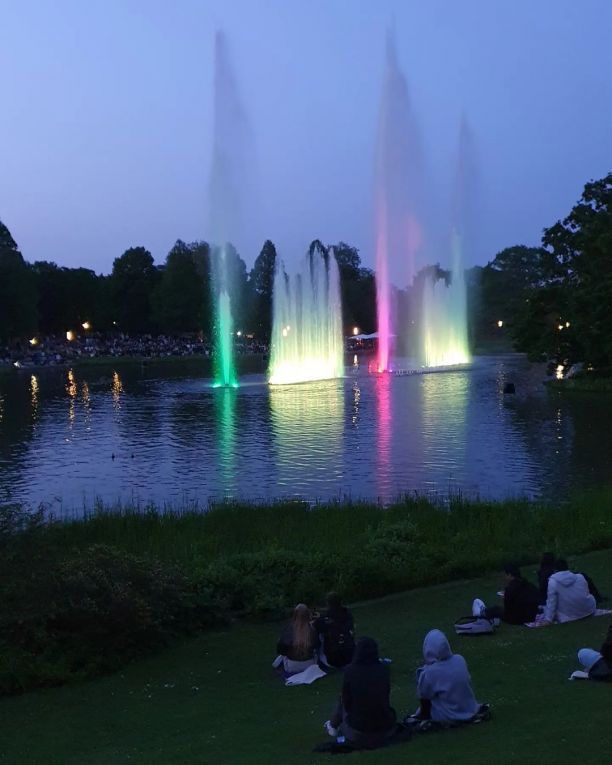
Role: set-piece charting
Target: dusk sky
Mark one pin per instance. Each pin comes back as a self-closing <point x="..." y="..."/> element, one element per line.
<point x="107" y="116"/>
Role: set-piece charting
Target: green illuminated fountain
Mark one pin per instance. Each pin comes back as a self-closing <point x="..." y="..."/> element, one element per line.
<point x="228" y="200"/>
<point x="224" y="363"/>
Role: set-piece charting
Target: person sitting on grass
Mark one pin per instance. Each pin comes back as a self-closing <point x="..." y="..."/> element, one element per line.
<point x="568" y="596"/>
<point x="444" y="685"/>
<point x="363" y="714"/>
<point x="336" y="632"/>
<point x="547" y="568"/>
<point x="299" y="642"/>
<point x="598" y="664"/>
<point x="521" y="600"/>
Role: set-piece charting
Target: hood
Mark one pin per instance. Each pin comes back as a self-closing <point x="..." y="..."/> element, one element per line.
<point x="565" y="578"/>
<point x="436" y="647"/>
<point x="366" y="651"/>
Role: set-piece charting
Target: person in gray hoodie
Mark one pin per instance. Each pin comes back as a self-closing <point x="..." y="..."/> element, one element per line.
<point x="444" y="685"/>
<point x="568" y="597"/>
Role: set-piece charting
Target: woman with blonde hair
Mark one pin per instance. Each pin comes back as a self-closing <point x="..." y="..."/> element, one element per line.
<point x="299" y="642"/>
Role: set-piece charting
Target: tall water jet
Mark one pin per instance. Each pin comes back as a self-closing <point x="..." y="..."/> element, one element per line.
<point x="397" y="175"/>
<point x="228" y="215"/>
<point x="444" y="310"/>
<point x="307" y="341"/>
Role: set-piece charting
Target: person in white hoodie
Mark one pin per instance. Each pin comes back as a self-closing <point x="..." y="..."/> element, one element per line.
<point x="568" y="597"/>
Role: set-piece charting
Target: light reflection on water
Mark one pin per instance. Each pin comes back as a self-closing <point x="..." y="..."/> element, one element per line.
<point x="308" y="426"/>
<point x="67" y="437"/>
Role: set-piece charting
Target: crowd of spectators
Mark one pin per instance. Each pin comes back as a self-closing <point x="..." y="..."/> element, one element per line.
<point x="58" y="350"/>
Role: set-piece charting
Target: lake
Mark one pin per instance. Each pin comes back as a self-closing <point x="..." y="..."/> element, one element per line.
<point x="160" y="432"/>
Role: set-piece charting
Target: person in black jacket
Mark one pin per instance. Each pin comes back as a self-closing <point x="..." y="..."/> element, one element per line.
<point x="521" y="599"/>
<point x="598" y="664"/>
<point x="336" y="631"/>
<point x="546" y="570"/>
<point x="364" y="715"/>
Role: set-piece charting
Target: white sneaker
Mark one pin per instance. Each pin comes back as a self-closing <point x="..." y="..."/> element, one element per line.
<point x="331" y="731"/>
<point x="478" y="607"/>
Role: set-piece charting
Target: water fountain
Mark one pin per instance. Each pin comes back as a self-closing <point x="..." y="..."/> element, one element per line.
<point x="444" y="306"/>
<point x="231" y="152"/>
<point x="307" y="341"/>
<point x="397" y="178"/>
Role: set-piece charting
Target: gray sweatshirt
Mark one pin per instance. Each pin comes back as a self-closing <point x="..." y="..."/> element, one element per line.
<point x="445" y="680"/>
<point x="568" y="598"/>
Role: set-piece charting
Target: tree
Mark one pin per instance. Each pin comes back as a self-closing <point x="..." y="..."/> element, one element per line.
<point x="506" y="286"/>
<point x="67" y="297"/>
<point x="358" y="290"/>
<point x="579" y="261"/>
<point x="261" y="285"/>
<point x="18" y="295"/>
<point x="179" y="298"/>
<point x="133" y="280"/>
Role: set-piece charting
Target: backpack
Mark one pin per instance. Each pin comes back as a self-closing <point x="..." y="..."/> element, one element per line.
<point x="338" y="639"/>
<point x="474" y="625"/>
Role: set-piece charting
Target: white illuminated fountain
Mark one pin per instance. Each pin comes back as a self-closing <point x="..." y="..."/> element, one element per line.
<point x="444" y="308"/>
<point x="445" y="337"/>
<point x="307" y="341"/>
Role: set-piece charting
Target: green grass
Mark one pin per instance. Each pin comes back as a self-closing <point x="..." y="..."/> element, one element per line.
<point x="152" y="714"/>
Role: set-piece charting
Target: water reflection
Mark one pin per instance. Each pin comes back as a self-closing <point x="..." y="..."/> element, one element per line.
<point x="225" y="410"/>
<point x="356" y="403"/>
<point x="34" y="397"/>
<point x="383" y="384"/>
<point x="308" y="425"/>
<point x="117" y="390"/>
<point x="373" y="435"/>
<point x="443" y="411"/>
<point x="72" y="391"/>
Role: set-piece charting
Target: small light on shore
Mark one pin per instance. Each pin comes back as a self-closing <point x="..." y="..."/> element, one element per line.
<point x="567" y="324"/>
<point x="560" y="327"/>
<point x="70" y="335"/>
<point x="355" y="330"/>
<point x="239" y="334"/>
<point x="500" y="323"/>
<point x="34" y="341"/>
<point x="86" y="325"/>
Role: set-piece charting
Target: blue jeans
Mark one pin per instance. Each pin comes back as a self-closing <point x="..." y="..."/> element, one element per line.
<point x="588" y="657"/>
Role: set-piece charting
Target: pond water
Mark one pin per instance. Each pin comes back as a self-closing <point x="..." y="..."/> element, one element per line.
<point x="138" y="433"/>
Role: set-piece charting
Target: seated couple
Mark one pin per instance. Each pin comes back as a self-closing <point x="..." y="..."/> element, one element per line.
<point x="328" y="638"/>
<point x="364" y="716"/>
<point x="568" y="598"/>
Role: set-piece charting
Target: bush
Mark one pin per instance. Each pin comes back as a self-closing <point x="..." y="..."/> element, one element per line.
<point x="68" y="613"/>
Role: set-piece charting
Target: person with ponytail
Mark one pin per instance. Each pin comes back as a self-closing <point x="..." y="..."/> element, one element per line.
<point x="299" y="641"/>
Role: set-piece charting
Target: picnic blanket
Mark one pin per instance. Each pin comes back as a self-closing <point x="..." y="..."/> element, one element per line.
<point x="539" y="621"/>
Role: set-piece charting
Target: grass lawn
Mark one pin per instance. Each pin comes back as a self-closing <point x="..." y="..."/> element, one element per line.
<point x="215" y="700"/>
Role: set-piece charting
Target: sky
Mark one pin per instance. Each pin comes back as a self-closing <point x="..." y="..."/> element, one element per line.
<point x="106" y="117"/>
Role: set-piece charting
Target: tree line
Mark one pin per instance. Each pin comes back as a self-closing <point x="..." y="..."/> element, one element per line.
<point x="551" y="301"/>
<point x="139" y="297"/>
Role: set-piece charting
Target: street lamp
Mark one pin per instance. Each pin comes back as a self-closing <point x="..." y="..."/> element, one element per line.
<point x="86" y="325"/>
<point x="34" y="341"/>
<point x="500" y="323"/>
<point x="355" y="330"/>
<point x="70" y="335"/>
